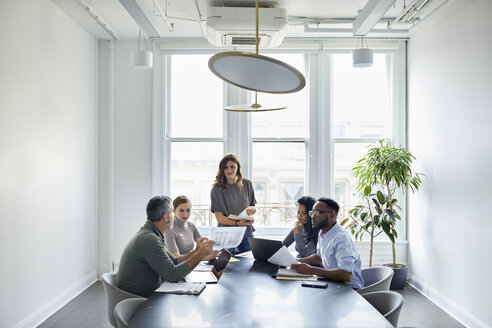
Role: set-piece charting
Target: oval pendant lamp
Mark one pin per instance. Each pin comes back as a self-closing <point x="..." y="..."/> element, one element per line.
<point x="257" y="73"/>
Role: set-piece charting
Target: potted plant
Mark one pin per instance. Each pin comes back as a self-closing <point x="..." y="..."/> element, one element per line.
<point x="388" y="169"/>
<point x="366" y="218"/>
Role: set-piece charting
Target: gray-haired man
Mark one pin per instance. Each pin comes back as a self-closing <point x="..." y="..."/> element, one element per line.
<point x="146" y="258"/>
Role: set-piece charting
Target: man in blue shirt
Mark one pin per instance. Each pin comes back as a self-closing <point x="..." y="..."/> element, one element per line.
<point x="336" y="251"/>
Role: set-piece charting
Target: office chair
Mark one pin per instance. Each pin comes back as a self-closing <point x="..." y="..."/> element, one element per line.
<point x="387" y="303"/>
<point x="124" y="310"/>
<point x="376" y="279"/>
<point x="114" y="295"/>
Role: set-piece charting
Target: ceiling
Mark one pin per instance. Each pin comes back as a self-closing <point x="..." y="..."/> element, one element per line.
<point x="307" y="18"/>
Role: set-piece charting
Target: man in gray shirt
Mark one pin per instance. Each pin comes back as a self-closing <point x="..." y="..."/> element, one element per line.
<point x="145" y="258"/>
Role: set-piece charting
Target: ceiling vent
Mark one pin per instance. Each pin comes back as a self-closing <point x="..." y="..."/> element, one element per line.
<point x="236" y="26"/>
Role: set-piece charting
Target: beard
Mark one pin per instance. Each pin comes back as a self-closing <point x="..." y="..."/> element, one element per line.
<point x="170" y="222"/>
<point x="322" y="224"/>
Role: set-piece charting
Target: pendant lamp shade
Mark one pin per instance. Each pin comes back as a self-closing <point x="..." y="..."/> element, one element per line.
<point x="362" y="57"/>
<point x="256" y="72"/>
<point x="141" y="59"/>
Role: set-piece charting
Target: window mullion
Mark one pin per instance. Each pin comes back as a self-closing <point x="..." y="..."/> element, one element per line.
<point x="238" y="126"/>
<point x="166" y="147"/>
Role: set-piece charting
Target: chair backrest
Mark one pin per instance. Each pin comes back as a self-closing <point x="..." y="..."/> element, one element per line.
<point x="113" y="294"/>
<point x="387" y="303"/>
<point x="376" y="279"/>
<point x="124" y="310"/>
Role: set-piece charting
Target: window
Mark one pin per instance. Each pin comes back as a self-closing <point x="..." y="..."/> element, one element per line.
<point x="362" y="114"/>
<point x="307" y="149"/>
<point x="193" y="167"/>
<point x="196" y="134"/>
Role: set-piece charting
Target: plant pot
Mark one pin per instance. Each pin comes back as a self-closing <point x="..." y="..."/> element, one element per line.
<point x="399" y="277"/>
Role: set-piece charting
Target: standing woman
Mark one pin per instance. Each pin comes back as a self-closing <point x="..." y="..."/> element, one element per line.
<point x="303" y="233"/>
<point x="231" y="194"/>
<point x="181" y="238"/>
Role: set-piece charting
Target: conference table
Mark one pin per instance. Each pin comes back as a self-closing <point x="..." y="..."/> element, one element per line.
<point x="248" y="296"/>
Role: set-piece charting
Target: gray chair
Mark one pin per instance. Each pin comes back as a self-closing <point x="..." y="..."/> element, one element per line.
<point x="124" y="310"/>
<point x="376" y="279"/>
<point x="114" y="295"/>
<point x="387" y="303"/>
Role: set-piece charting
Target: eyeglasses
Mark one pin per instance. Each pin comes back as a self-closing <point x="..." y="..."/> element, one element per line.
<point x="313" y="213"/>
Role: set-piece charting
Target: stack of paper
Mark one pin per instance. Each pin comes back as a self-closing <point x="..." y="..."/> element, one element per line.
<point x="290" y="274"/>
<point x="284" y="258"/>
<point x="181" y="288"/>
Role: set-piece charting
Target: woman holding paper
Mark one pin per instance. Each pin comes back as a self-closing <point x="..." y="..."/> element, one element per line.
<point x="233" y="195"/>
<point x="303" y="233"/>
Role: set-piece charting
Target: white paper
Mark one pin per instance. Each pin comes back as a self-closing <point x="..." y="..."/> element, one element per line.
<point x="203" y="266"/>
<point x="181" y="288"/>
<point x="227" y="237"/>
<point x="242" y="216"/>
<point x="282" y="257"/>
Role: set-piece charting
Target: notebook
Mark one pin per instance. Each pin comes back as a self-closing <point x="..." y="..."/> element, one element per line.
<point x="213" y="276"/>
<point x="291" y="274"/>
<point x="181" y="288"/>
<point x="263" y="249"/>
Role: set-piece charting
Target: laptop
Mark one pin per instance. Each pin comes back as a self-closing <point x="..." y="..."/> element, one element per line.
<point x="263" y="249"/>
<point x="211" y="277"/>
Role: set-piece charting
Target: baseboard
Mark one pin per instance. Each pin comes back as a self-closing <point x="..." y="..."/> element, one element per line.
<point x="44" y="312"/>
<point x="446" y="304"/>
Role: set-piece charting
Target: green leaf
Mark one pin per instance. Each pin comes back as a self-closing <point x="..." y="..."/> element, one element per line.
<point x="368" y="224"/>
<point x="391" y="237"/>
<point x="376" y="219"/>
<point x="363" y="216"/>
<point x="343" y="222"/>
<point x="386" y="227"/>
<point x="367" y="191"/>
<point x="394" y="233"/>
<point x="390" y="213"/>
<point x="381" y="197"/>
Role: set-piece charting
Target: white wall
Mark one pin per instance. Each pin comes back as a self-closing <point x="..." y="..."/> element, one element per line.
<point x="450" y="97"/>
<point x="48" y="160"/>
<point x="126" y="148"/>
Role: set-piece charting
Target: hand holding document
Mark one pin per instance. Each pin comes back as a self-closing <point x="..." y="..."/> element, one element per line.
<point x="227" y="237"/>
<point x="243" y="215"/>
<point x="282" y="257"/>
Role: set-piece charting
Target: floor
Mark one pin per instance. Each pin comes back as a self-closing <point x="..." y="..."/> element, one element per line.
<point x="89" y="310"/>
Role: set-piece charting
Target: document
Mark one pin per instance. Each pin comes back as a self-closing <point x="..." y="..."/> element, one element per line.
<point x="188" y="288"/>
<point x="290" y="274"/>
<point x="204" y="266"/>
<point x="242" y="216"/>
<point x="227" y="237"/>
<point x="282" y="257"/>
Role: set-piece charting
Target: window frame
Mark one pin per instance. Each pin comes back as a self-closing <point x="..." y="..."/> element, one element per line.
<point x="319" y="172"/>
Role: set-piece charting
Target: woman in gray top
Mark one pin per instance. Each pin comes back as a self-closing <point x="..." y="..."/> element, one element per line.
<point x="303" y="233"/>
<point x="231" y="194"/>
<point x="181" y="238"/>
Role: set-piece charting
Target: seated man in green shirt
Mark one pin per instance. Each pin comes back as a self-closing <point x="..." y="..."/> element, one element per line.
<point x="146" y="258"/>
